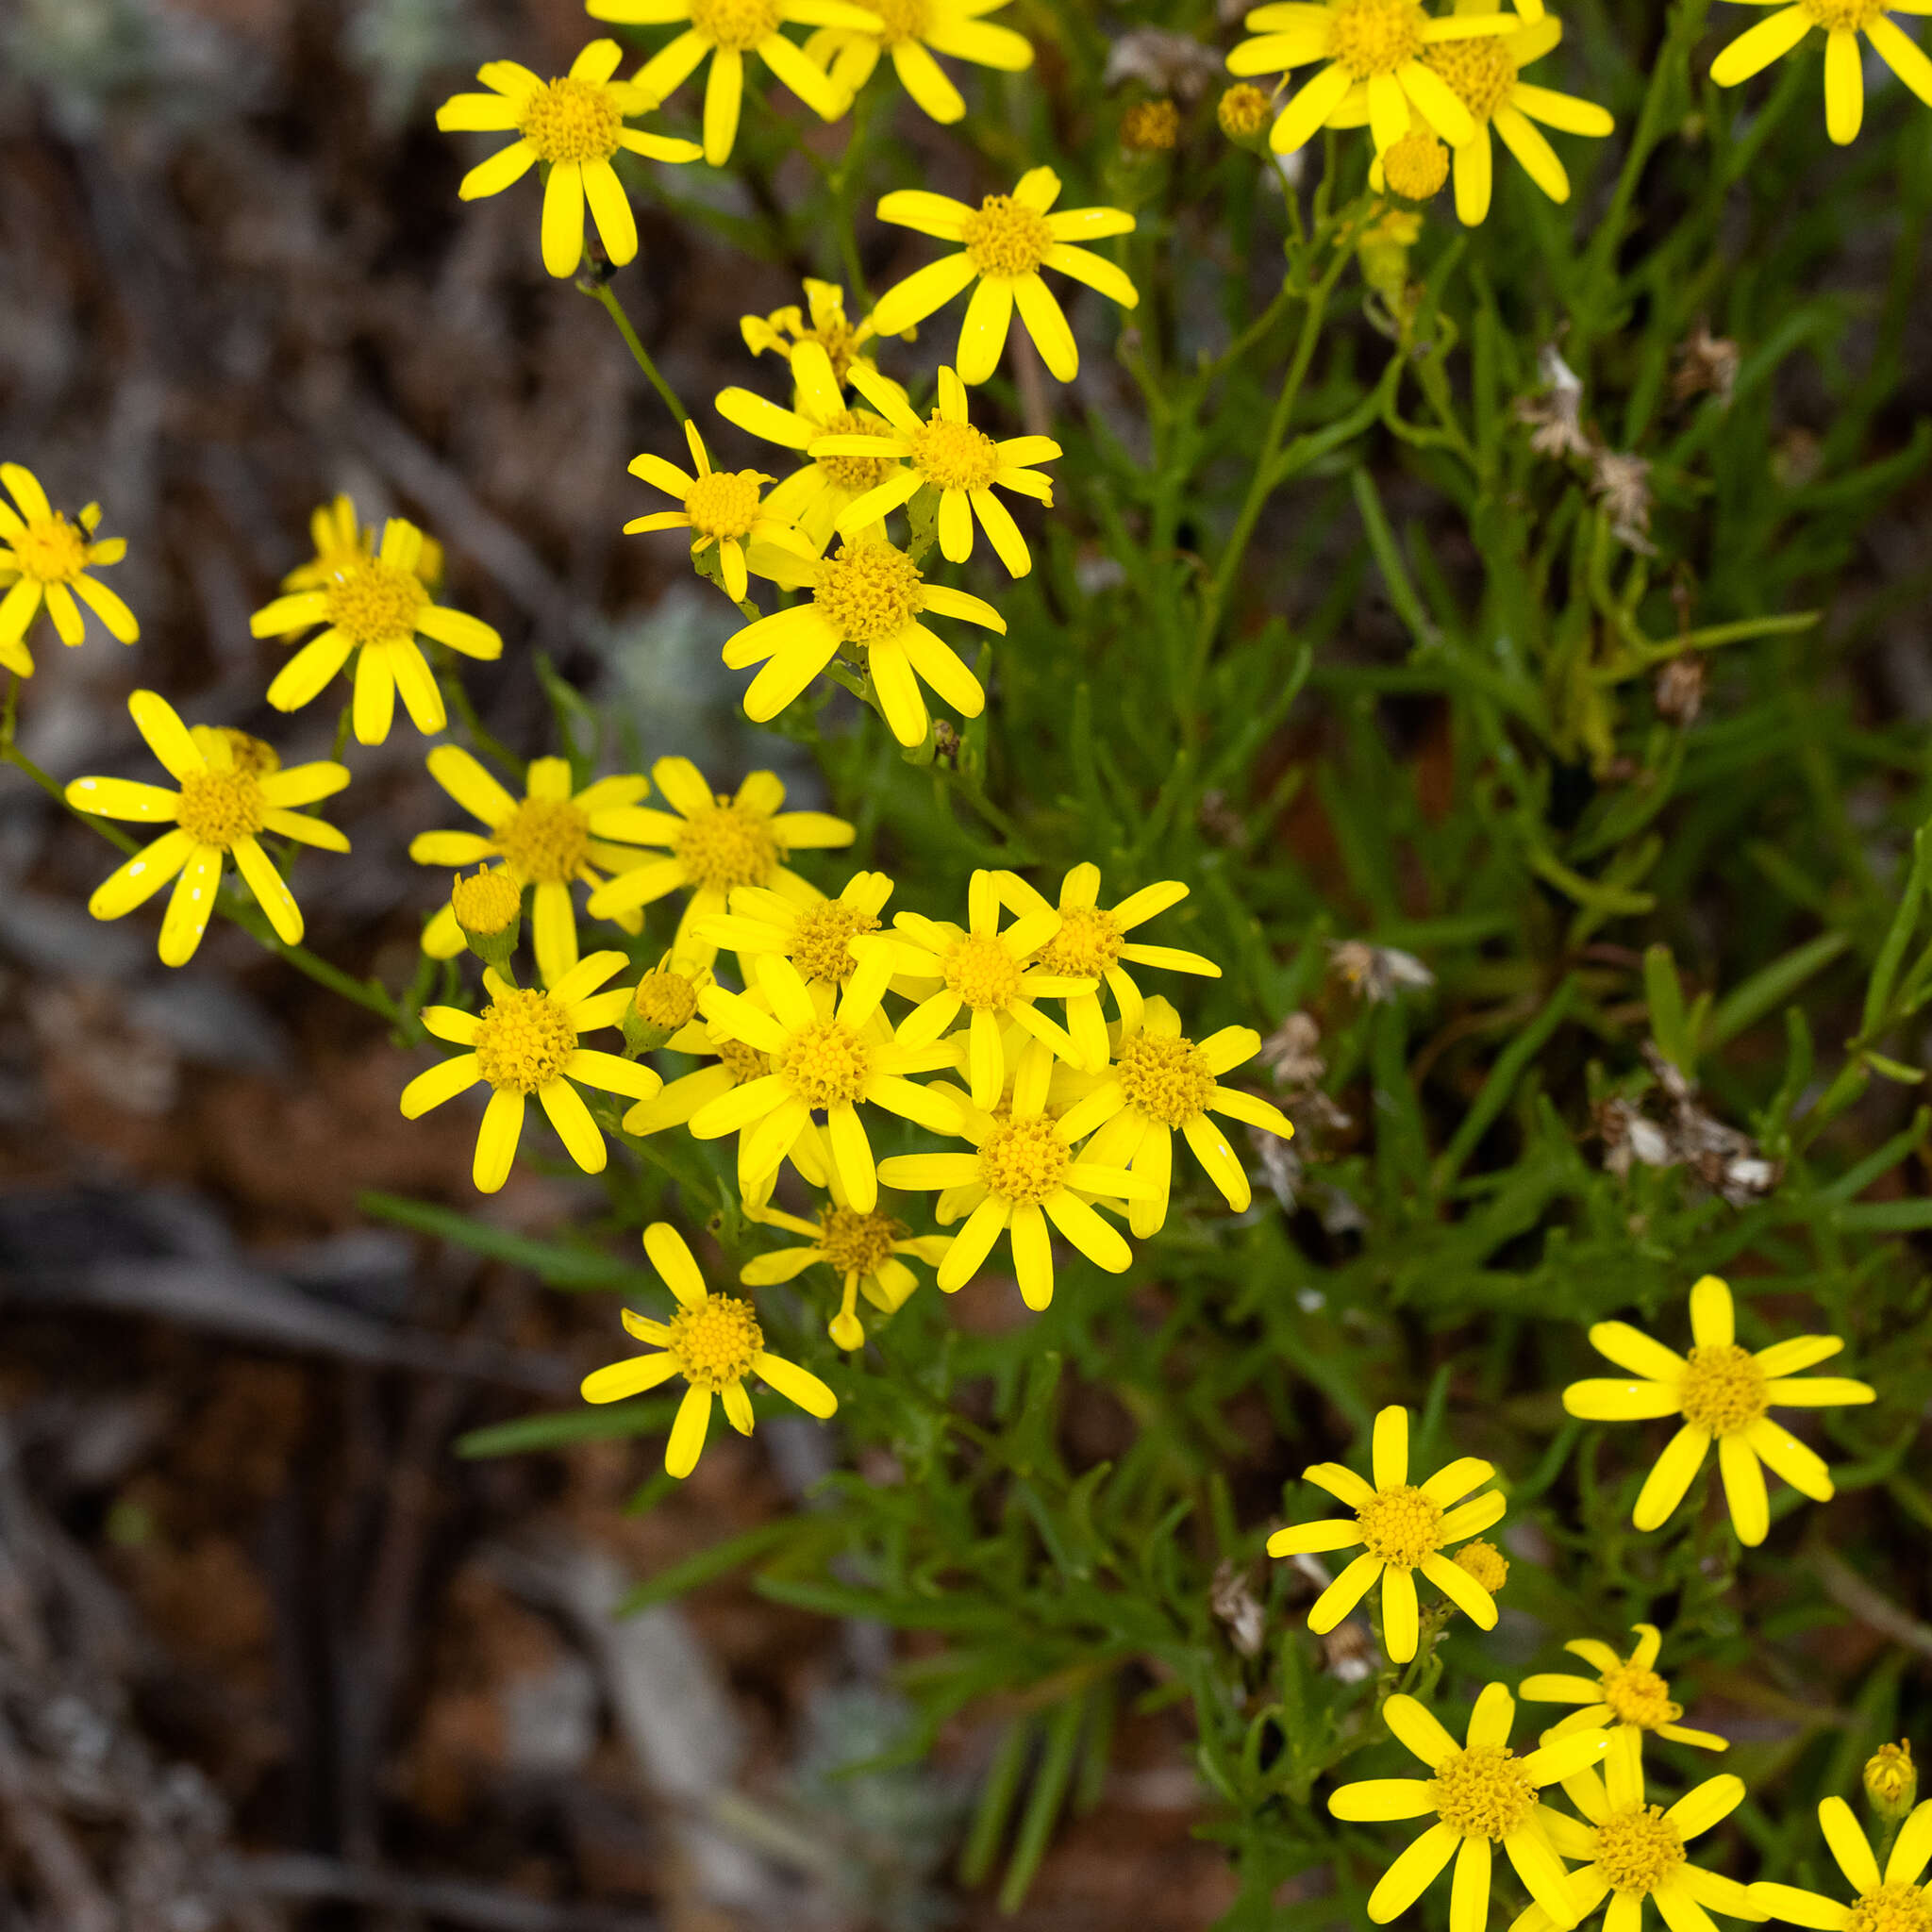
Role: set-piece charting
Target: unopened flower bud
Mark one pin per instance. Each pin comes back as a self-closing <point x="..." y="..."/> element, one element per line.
<point x="665" y="1002"/>
<point x="1891" y="1781"/>
<point x="1150" y="128"/>
<point x="489" y="907"/>
<point x="1244" y="112"/>
<point x="1416" y="166"/>
<point x="1485" y="1562"/>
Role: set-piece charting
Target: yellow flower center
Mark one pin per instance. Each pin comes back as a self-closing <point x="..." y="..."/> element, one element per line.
<point x="826" y="1063"/>
<point x="665" y="999"/>
<point x="487" y="904"/>
<point x="856" y="474"/>
<point x="220" y="806"/>
<point x="954" y="456"/>
<point x="905" y="20"/>
<point x="729" y="846"/>
<point x="982" y="972"/>
<point x="716" y="1343"/>
<point x="1168" y="1078"/>
<point x="1416" y="166"/>
<point x="573" y="121"/>
<point x="1483" y="1792"/>
<point x="1485" y="1562"/>
<point x="1637" y="1851"/>
<point x="522" y="1039"/>
<point x="1854" y="14"/>
<point x="1401" y="1526"/>
<point x="856" y="1244"/>
<point x="1640" y="1697"/>
<point x="1244" y="110"/>
<point x="742" y="1061"/>
<point x="869" y="592"/>
<point x="821" y="940"/>
<point x="50" y="550"/>
<point x="1722" y="1390"/>
<point x="736" y="24"/>
<point x="1892" y="1908"/>
<point x="1087" y="945"/>
<point x="546" y="838"/>
<point x="1004" y="237"/>
<point x="1370" y="37"/>
<point x="724" y="503"/>
<point x="374" y="603"/>
<point x="1024" y="1160"/>
<point x="1151" y="127"/>
<point x="1479" y="72"/>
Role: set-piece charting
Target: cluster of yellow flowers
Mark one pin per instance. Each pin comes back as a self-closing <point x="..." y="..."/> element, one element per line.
<point x="1482" y="1792"/>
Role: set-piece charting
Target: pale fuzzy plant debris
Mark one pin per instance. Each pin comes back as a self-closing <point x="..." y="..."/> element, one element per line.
<point x="1377" y="974"/>
<point x="1679" y="691"/>
<point x="1231" y="1597"/>
<point x="1705" y="364"/>
<point x="1288" y="1053"/>
<point x="1724" y="1158"/>
<point x="1348" y="1653"/>
<point x="1163" y="62"/>
<point x="1555" y="413"/>
<point x="1622" y="483"/>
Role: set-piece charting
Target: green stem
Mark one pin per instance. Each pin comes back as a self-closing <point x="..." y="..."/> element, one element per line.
<point x="1261" y="484"/>
<point x="12" y="755"/>
<point x="369" y="994"/>
<point x="484" y="740"/>
<point x="594" y="283"/>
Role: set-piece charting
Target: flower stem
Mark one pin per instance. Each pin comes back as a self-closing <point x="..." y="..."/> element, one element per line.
<point x="595" y="283"/>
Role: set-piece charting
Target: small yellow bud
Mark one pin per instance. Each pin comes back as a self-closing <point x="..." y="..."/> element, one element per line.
<point x="1382" y="248"/>
<point x="1244" y="111"/>
<point x="664" y="1001"/>
<point x="1151" y="127"/>
<point x="489" y="907"/>
<point x="1891" y="1780"/>
<point x="1485" y="1563"/>
<point x="1416" y="166"/>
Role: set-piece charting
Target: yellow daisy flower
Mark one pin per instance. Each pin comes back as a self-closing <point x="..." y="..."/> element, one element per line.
<point x="547" y="839"/>
<point x="948" y="454"/>
<point x="342" y="543"/>
<point x="1404" y="1527"/>
<point x="233" y="790"/>
<point x="1842" y="21"/>
<point x="721" y="507"/>
<point x="526" y="1041"/>
<point x="374" y="607"/>
<point x="870" y="596"/>
<point x="989" y="976"/>
<point x="574" y="125"/>
<point x="863" y="1250"/>
<point x="1161" y="1081"/>
<point x="1482" y="1794"/>
<point x="714" y="1343"/>
<point x="1482" y="73"/>
<point x="1022" y="1174"/>
<point x="1896" y="1901"/>
<point x="1378" y="44"/>
<point x="1633" y="1850"/>
<point x="784" y="329"/>
<point x="735" y="1065"/>
<point x="47" y="558"/>
<point x="715" y="844"/>
<point x="817" y="495"/>
<point x="816" y="939"/>
<point x="1625" y="1694"/>
<point x="1722" y="1393"/>
<point x="1093" y="943"/>
<point x="912" y="31"/>
<point x="1004" y="244"/>
<point x="727" y="30"/>
<point x="826" y="1058"/>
